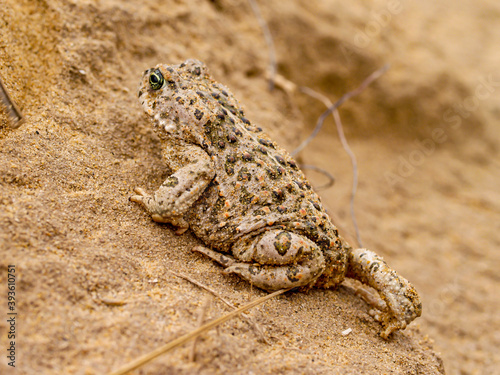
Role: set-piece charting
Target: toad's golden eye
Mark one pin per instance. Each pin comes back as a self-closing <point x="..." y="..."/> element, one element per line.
<point x="156" y="80"/>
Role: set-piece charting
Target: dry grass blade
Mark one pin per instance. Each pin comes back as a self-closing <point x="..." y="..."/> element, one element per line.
<point x="331" y="179"/>
<point x="229" y="304"/>
<point x="332" y="108"/>
<point x="183" y="339"/>
<point x="201" y="319"/>
<point x="269" y="41"/>
<point x="345" y="145"/>
<point x="319" y="124"/>
<point x="14" y="113"/>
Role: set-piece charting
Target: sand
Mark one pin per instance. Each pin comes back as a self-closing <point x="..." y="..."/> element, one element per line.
<point x="93" y="282"/>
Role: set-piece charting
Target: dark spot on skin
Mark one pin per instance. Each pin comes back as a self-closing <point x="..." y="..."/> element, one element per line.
<point x="262" y="149"/>
<point x="233" y="111"/>
<point x="179" y="100"/>
<point x="215" y="95"/>
<point x="224" y="93"/>
<point x="312" y="230"/>
<point x="245" y="121"/>
<point x="292" y="164"/>
<point x="231" y="159"/>
<point x="273" y="173"/>
<point x="374" y="267"/>
<point x="231" y="120"/>
<point x="172" y="84"/>
<point x="323" y="242"/>
<point x="182" y="65"/>
<point x="254" y="270"/>
<point x="170" y="69"/>
<point x="283" y="242"/>
<point x="197" y="71"/>
<point x="140" y="93"/>
<point x="316" y="205"/>
<point x="229" y="170"/>
<point x="281" y="209"/>
<point x="258" y="129"/>
<point x="221" y="116"/>
<point x="231" y="138"/>
<point x="219" y="205"/>
<point x="265" y="142"/>
<point x="292" y="272"/>
<point x="300" y="184"/>
<point x="245" y="196"/>
<point x="221" y="144"/>
<point x="200" y="94"/>
<point x="247" y="156"/>
<point x="224" y="111"/>
<point x="171" y="181"/>
<point x="259" y="213"/>
<point x="280" y="159"/>
<point x="198" y="114"/>
<point x="237" y="132"/>
<point x="244" y="175"/>
<point x="192" y="101"/>
<point x="289" y="187"/>
<point x="208" y="127"/>
<point x="278" y="195"/>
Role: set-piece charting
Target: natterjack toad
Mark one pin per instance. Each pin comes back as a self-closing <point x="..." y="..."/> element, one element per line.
<point x="245" y="197"/>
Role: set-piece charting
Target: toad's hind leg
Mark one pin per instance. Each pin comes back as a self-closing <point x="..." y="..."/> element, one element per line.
<point x="274" y="260"/>
<point x="403" y="302"/>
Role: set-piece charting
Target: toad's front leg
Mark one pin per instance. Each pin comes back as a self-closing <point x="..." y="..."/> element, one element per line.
<point x="403" y="302"/>
<point x="180" y="190"/>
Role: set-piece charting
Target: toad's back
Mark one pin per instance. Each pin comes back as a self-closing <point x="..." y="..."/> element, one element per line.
<point x="257" y="185"/>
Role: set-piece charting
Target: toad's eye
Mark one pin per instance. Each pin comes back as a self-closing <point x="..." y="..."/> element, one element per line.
<point x="156" y="80"/>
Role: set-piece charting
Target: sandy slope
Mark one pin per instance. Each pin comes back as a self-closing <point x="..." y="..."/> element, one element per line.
<point x="425" y="136"/>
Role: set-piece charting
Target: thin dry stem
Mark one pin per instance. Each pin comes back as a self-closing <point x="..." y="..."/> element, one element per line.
<point x="269" y="41"/>
<point x="13" y="111"/>
<point x="319" y="124"/>
<point x="201" y="319"/>
<point x="345" y="145"/>
<point x="183" y="339"/>
<point x="332" y="108"/>
<point x="331" y="179"/>
<point x="245" y="317"/>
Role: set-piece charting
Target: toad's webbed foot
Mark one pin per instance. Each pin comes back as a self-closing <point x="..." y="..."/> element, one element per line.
<point x="401" y="298"/>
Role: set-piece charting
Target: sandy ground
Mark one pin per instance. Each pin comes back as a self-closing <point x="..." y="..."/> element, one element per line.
<point x="94" y="288"/>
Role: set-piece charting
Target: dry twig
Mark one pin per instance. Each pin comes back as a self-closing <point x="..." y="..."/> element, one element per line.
<point x="201" y="319"/>
<point x="245" y="317"/>
<point x="13" y="111"/>
<point x="183" y="339"/>
<point x="319" y="124"/>
<point x="333" y="108"/>
<point x="331" y="179"/>
<point x="269" y="41"/>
